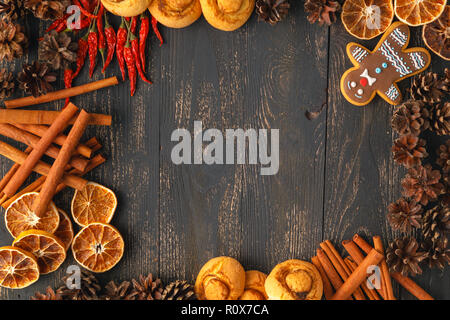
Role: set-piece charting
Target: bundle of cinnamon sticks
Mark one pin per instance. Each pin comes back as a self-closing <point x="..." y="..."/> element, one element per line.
<point x="42" y="132"/>
<point x="362" y="275"/>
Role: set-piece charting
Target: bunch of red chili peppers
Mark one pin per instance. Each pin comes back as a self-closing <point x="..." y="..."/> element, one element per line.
<point x="101" y="37"/>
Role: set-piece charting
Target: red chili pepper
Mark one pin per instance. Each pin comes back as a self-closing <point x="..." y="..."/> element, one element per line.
<point x="156" y="31"/>
<point x="56" y="23"/>
<point x="85" y="22"/>
<point x="101" y="34"/>
<point x="135" y="49"/>
<point x="133" y="24"/>
<point x="143" y="33"/>
<point x="129" y="59"/>
<point x="121" y="40"/>
<point x="86" y="4"/>
<point x="93" y="46"/>
<point x="81" y="54"/>
<point x="62" y="26"/>
<point x="84" y="11"/>
<point x="68" y="77"/>
<point x="111" y="42"/>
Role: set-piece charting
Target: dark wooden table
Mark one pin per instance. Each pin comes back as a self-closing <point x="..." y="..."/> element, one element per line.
<point x="336" y="176"/>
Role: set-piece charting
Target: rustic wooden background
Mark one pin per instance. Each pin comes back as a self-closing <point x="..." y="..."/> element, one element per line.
<point x="336" y="176"/>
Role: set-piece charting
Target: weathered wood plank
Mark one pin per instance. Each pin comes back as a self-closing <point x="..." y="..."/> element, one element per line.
<point x="258" y="77"/>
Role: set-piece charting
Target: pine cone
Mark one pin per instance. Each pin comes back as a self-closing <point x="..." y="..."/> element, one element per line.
<point x="7" y="84"/>
<point x="409" y="150"/>
<point x="35" y="78"/>
<point x="411" y="117"/>
<point x="429" y="88"/>
<point x="440" y="122"/>
<point x="323" y="11"/>
<point x="48" y="295"/>
<point x="438" y="255"/>
<point x="47" y="10"/>
<point x="404" y="214"/>
<point x="178" y="290"/>
<point x="13" y="41"/>
<point x="122" y="291"/>
<point x="147" y="288"/>
<point x="422" y="184"/>
<point x="402" y="256"/>
<point x="436" y="225"/>
<point x="444" y="156"/>
<point x="89" y="288"/>
<point x="444" y="161"/>
<point x="12" y="9"/>
<point x="272" y="11"/>
<point x="57" y="49"/>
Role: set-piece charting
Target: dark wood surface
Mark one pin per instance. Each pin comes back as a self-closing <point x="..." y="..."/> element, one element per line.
<point x="336" y="175"/>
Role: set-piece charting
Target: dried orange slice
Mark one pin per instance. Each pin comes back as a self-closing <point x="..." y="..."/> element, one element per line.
<point x="419" y="12"/>
<point x="436" y="35"/>
<point x="366" y="19"/>
<point x="18" y="268"/>
<point x="95" y="203"/>
<point x="98" y="247"/>
<point x="20" y="216"/>
<point x="65" y="229"/>
<point x="49" y="251"/>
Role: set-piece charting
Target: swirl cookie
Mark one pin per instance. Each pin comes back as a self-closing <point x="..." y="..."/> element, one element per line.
<point x="378" y="71"/>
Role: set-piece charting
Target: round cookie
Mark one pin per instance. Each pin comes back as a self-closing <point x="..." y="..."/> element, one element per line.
<point x="294" y="280"/>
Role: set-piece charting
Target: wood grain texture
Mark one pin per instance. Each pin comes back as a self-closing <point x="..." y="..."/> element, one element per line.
<point x="336" y="173"/>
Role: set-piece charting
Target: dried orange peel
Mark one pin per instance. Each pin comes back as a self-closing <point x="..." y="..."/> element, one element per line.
<point x="19" y="216"/>
<point x="419" y="12"/>
<point x="95" y="203"/>
<point x="98" y="247"/>
<point x="49" y="251"/>
<point x="367" y="19"/>
<point x="65" y="229"/>
<point x="18" y="268"/>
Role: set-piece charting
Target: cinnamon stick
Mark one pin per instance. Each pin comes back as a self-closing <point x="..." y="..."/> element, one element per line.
<point x="385" y="275"/>
<point x="39" y="130"/>
<point x="357" y="256"/>
<point x="57" y="170"/>
<point x="327" y="288"/>
<point x="340" y="266"/>
<point x="46" y="117"/>
<point x="358" y="276"/>
<point x="61" y="94"/>
<point x="353" y="251"/>
<point x="94" y="163"/>
<point x="39" y="149"/>
<point x="335" y="280"/>
<point x="362" y="243"/>
<point x="31" y="140"/>
<point x="41" y="167"/>
<point x="37" y="184"/>
<point x="371" y="294"/>
<point x="11" y="172"/>
<point x="411" y="286"/>
<point x="32" y="187"/>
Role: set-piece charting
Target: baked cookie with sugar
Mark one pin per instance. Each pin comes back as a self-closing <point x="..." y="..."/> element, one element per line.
<point x="378" y="71"/>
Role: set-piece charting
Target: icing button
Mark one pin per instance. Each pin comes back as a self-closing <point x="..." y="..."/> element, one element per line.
<point x="363" y="82"/>
<point x="378" y="70"/>
<point x="385" y="65"/>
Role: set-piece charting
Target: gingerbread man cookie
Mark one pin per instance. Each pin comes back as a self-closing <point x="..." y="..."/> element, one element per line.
<point x="378" y="71"/>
